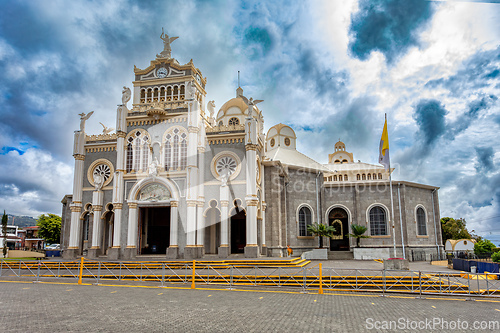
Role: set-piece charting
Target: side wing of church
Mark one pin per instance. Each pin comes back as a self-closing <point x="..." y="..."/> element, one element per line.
<point x="177" y="180"/>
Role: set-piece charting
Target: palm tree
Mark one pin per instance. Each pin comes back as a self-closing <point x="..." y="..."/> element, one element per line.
<point x="357" y="232"/>
<point x="321" y="230"/>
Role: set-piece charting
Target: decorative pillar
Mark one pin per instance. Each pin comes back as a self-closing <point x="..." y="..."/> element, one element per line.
<point x="131" y="250"/>
<point x="173" y="249"/>
<point x="118" y="183"/>
<point x="251" y="199"/>
<point x="76" y="206"/>
<point x="200" y="226"/>
<point x="191" y="251"/>
<point x="97" y="200"/>
<point x="263" y="228"/>
<point x="223" y="250"/>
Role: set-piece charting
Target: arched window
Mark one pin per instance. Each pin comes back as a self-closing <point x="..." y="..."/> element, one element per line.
<point x="234" y="121"/>
<point x="334" y="178"/>
<point x="340" y="177"/>
<point x="345" y="177"/>
<point x="175" y="150"/>
<point x="374" y="176"/>
<point x="421" y="225"/>
<point x="369" y="176"/>
<point x="137" y="152"/>
<point x="86" y="227"/>
<point x="358" y="177"/>
<point x="305" y="219"/>
<point x="378" y="221"/>
<point x="379" y="176"/>
<point x="364" y="177"/>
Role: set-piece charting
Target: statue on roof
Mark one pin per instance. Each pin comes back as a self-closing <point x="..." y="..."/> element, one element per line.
<point x="126" y="94"/>
<point x="251" y="102"/>
<point x="83" y="118"/>
<point x="167" y="50"/>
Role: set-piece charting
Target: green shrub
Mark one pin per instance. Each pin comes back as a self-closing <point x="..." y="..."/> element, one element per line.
<point x="483" y="246"/>
<point x="495" y="257"/>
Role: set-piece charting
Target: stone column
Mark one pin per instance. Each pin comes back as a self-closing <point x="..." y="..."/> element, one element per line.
<point x="97" y="200"/>
<point x="200" y="226"/>
<point x="118" y="183"/>
<point x="173" y="249"/>
<point x="76" y="206"/>
<point x="131" y="250"/>
<point x="223" y="250"/>
<point x="191" y="252"/>
<point x="251" y="199"/>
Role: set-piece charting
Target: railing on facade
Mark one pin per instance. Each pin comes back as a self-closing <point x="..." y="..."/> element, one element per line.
<point x="305" y="279"/>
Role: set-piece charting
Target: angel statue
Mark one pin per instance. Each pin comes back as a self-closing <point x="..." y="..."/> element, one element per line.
<point x="126" y="94"/>
<point x="98" y="181"/>
<point x="251" y="102"/>
<point x="106" y="130"/>
<point x="83" y="118"/>
<point x="153" y="168"/>
<point x="211" y="110"/>
<point x="167" y="50"/>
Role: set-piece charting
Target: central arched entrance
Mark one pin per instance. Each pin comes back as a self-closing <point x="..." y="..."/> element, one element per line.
<point x="154" y="230"/>
<point x="238" y="231"/>
<point x="339" y="219"/>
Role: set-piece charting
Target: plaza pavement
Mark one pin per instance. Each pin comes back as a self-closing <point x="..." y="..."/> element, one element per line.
<point x="66" y="307"/>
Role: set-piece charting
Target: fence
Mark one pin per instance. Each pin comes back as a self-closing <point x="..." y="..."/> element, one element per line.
<point x="313" y="279"/>
<point x="425" y="256"/>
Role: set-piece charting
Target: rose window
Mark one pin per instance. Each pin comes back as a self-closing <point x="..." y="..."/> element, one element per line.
<point x="102" y="170"/>
<point x="226" y="165"/>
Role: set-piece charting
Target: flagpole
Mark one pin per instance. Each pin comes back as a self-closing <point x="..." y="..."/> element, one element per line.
<point x="392" y="202"/>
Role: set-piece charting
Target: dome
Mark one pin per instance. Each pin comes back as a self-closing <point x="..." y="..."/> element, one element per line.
<point x="234" y="111"/>
<point x="281" y="135"/>
<point x="339" y="146"/>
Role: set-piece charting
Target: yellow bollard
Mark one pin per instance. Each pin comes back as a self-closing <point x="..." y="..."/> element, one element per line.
<point x="81" y="272"/>
<point x="193" y="286"/>
<point x="320" y="291"/>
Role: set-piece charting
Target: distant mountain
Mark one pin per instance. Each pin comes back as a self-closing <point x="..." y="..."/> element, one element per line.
<point x="21" y="221"/>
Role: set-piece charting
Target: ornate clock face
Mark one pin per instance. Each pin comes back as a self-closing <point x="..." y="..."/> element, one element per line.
<point x="161" y="72"/>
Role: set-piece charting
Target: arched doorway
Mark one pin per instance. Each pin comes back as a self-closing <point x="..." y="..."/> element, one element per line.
<point x="339" y="219"/>
<point x="107" y="232"/>
<point x="84" y="239"/>
<point x="238" y="231"/>
<point x="154" y="230"/>
<point x="212" y="229"/>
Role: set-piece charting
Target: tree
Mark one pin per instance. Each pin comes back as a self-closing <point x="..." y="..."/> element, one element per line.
<point x="483" y="246"/>
<point x="454" y="229"/>
<point x="50" y="227"/>
<point x="357" y="232"/>
<point x="495" y="257"/>
<point x="321" y="230"/>
<point x="4" y="233"/>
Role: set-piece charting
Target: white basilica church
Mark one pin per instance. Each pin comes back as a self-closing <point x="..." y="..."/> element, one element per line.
<point x="178" y="180"/>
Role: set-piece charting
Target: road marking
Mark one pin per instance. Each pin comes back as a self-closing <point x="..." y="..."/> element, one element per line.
<point x="160" y="294"/>
<point x="261" y="297"/>
<point x="373" y="303"/>
<point x="69" y="289"/>
<point x="497" y="310"/>
<point x="315" y="300"/>
<point x="433" y="306"/>
<point x="26" y="288"/>
<point x="113" y="292"/>
<point x="209" y="295"/>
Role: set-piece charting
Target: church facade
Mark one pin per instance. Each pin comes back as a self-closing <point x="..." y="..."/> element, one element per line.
<point x="178" y="180"/>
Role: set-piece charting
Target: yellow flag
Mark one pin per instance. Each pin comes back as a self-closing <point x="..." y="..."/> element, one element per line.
<point x="383" y="157"/>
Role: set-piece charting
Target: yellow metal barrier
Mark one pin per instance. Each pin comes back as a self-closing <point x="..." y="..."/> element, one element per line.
<point x="193" y="286"/>
<point x="320" y="291"/>
<point x="81" y="272"/>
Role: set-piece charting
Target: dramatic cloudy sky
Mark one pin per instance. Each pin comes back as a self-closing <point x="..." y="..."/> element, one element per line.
<point x="330" y="69"/>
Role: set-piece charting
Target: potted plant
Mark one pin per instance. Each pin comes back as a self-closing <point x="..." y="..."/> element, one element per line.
<point x="358" y="233"/>
<point x="321" y="230"/>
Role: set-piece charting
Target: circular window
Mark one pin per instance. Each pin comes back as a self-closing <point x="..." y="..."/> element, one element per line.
<point x="225" y="164"/>
<point x="272" y="142"/>
<point x="100" y="169"/>
<point x="287" y="141"/>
